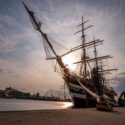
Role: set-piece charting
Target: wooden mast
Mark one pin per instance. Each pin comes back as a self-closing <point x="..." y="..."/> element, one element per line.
<point x="83" y="70"/>
<point x="83" y="55"/>
<point x="95" y="54"/>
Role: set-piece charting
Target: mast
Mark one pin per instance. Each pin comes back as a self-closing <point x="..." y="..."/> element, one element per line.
<point x="83" y="70"/>
<point x="95" y="54"/>
<point x="98" y="80"/>
<point x="83" y="56"/>
<point x="88" y="44"/>
<point x="102" y="75"/>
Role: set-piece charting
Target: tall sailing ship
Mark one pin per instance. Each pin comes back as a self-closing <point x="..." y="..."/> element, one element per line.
<point x="87" y="86"/>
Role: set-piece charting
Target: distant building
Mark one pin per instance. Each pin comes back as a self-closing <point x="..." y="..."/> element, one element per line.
<point x="2" y="93"/>
<point x="16" y="94"/>
<point x="13" y="93"/>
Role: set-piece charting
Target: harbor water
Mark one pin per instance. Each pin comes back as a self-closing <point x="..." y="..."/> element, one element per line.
<point x="21" y="105"/>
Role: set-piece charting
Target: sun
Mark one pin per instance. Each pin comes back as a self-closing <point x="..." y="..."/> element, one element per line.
<point x="69" y="60"/>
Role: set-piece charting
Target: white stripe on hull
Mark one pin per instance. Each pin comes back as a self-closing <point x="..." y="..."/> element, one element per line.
<point x="75" y="86"/>
<point x="77" y="95"/>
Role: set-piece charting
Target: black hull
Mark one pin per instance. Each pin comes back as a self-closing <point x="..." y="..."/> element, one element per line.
<point x="83" y="103"/>
<point x="80" y="98"/>
<point x="79" y="103"/>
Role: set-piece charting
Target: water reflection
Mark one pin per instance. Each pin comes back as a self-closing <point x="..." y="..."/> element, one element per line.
<point x="19" y="105"/>
<point x="67" y="105"/>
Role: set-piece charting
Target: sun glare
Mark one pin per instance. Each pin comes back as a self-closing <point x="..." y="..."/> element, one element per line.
<point x="69" y="60"/>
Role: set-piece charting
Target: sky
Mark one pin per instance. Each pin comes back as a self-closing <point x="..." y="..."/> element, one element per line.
<point x="22" y="57"/>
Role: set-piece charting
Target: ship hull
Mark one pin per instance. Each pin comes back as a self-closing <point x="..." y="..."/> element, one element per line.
<point x="79" y="102"/>
<point x="79" y="97"/>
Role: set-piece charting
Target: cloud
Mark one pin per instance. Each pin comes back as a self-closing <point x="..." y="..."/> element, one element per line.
<point x="121" y="84"/>
<point x="21" y="53"/>
<point x="122" y="73"/>
<point x="7" y="20"/>
<point x="7" y="43"/>
<point x="1" y="71"/>
<point x="107" y="18"/>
